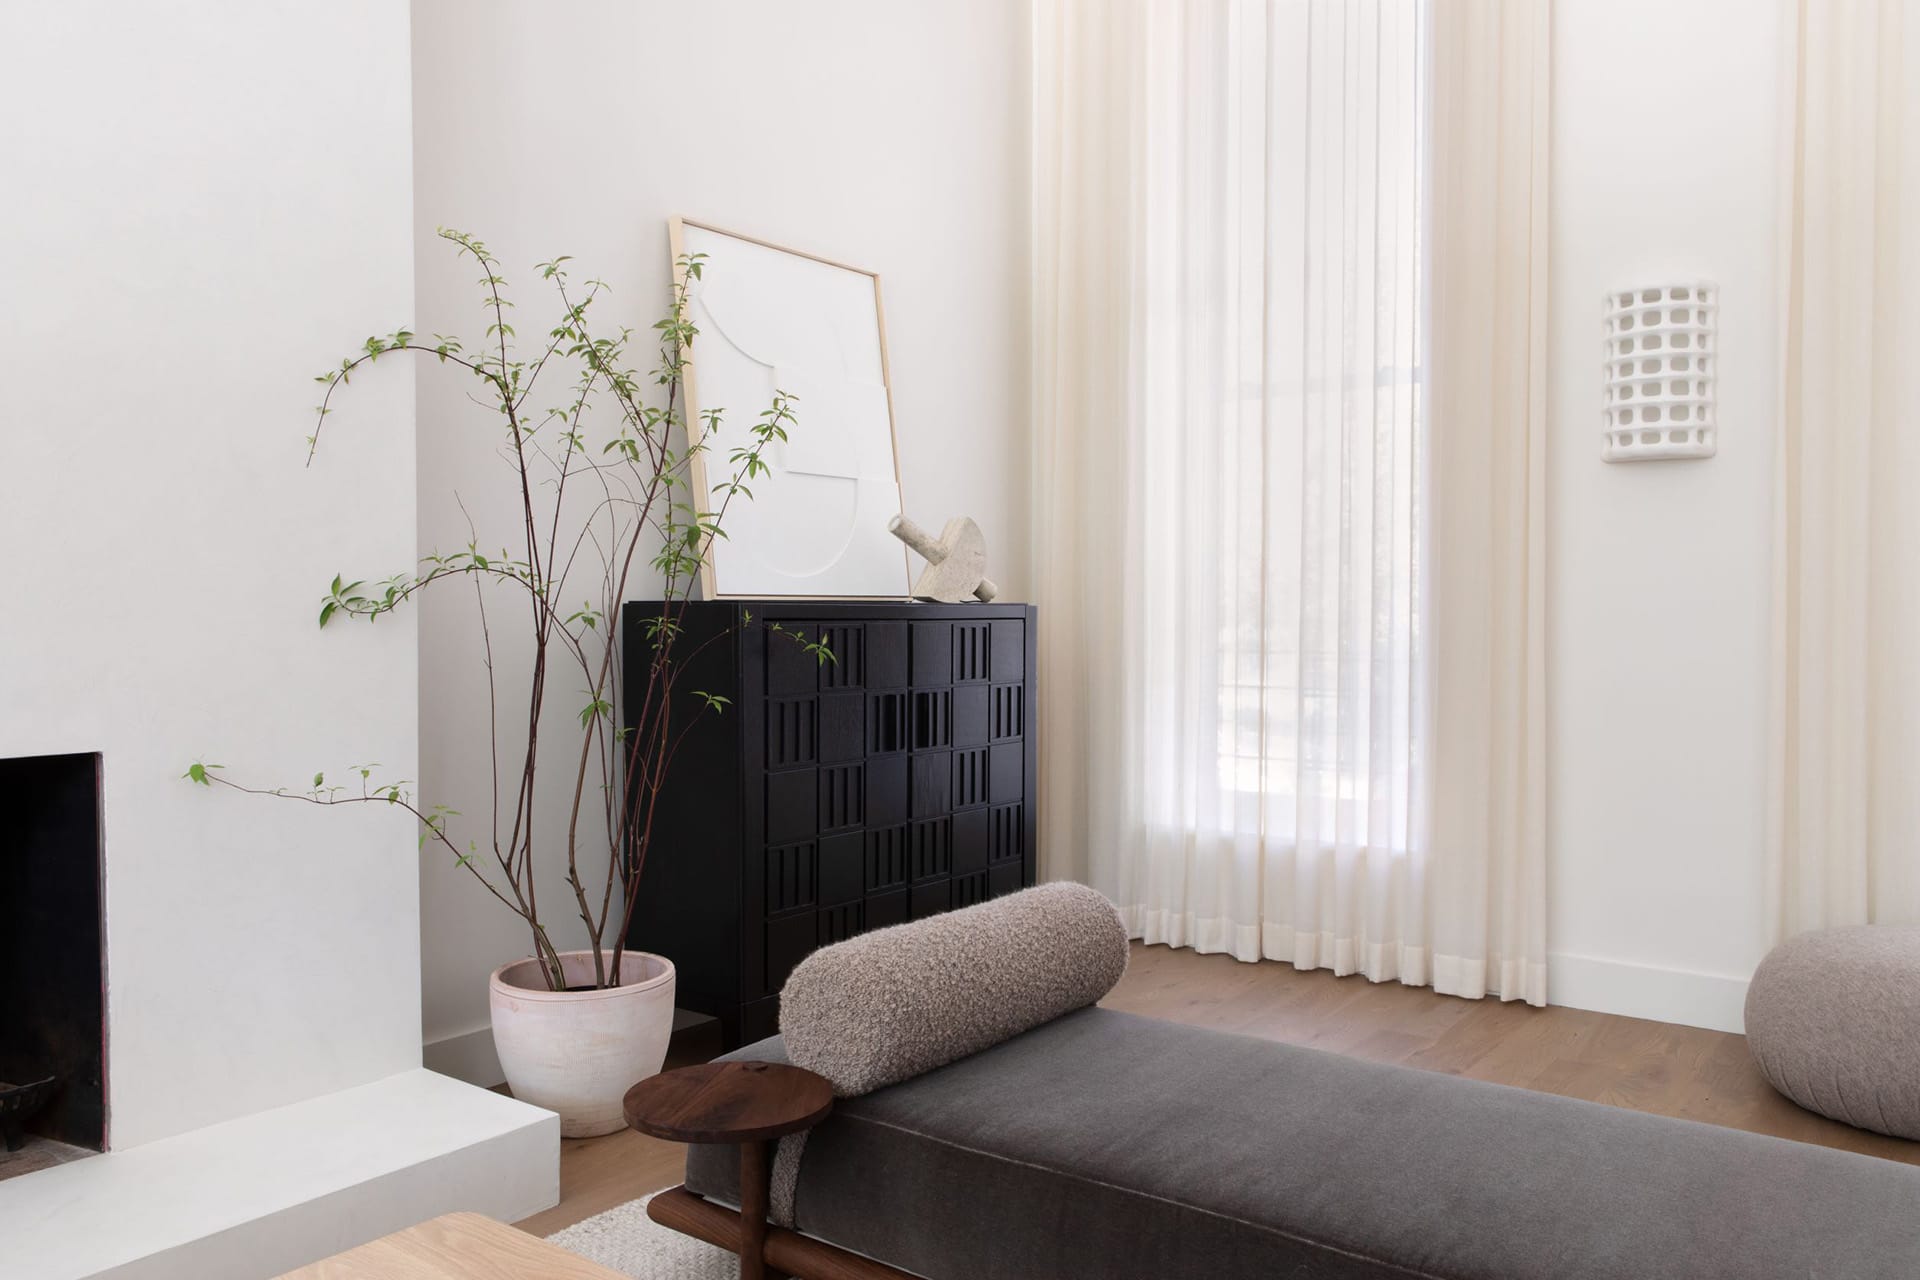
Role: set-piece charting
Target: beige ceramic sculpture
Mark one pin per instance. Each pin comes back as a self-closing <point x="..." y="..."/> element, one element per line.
<point x="956" y="564"/>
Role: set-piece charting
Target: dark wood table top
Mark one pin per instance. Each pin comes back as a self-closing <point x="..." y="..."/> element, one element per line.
<point x="728" y="1102"/>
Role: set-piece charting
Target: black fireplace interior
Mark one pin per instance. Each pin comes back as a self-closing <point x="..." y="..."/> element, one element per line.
<point x="53" y="1001"/>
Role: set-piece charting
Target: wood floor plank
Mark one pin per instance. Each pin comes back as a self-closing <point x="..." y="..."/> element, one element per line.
<point x="1655" y="1067"/>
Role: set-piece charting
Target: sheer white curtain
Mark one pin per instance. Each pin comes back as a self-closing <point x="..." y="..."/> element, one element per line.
<point x="1231" y="483"/>
<point x="1844" y="830"/>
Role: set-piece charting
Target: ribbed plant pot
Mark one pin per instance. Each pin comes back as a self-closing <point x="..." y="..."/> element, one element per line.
<point x="578" y="1052"/>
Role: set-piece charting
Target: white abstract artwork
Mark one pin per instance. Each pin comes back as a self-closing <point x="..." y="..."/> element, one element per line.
<point x="771" y="319"/>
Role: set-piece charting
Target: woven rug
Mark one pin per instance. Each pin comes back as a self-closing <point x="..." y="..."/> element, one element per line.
<point x="626" y="1240"/>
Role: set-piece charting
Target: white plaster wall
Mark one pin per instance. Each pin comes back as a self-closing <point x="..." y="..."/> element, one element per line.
<point x="892" y="136"/>
<point x="206" y="203"/>
<point x="1664" y="162"/>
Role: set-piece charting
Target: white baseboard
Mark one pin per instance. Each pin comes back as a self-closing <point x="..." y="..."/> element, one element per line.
<point x="270" y="1192"/>
<point x="1711" y="1000"/>
<point x="469" y="1055"/>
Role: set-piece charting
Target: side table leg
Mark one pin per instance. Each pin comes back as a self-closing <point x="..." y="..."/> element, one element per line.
<point x="755" y="1181"/>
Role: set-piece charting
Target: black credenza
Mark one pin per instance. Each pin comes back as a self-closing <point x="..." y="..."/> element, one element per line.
<point x="892" y="783"/>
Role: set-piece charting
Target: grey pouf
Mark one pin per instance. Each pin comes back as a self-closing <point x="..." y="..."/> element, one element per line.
<point x="1833" y="1019"/>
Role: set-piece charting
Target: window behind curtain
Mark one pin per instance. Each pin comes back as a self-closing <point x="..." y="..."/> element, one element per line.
<point x="1280" y="491"/>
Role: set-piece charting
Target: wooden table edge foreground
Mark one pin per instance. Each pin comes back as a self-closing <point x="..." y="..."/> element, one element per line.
<point x="456" y="1246"/>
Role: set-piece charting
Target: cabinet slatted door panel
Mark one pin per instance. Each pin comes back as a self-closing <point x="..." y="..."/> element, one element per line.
<point x="932" y="848"/>
<point x="970" y="651"/>
<point x="932" y="718"/>
<point x="889" y="859"/>
<point x="847" y="668"/>
<point x="888" y="782"/>
<point x="969" y="778"/>
<point x="790" y="877"/>
<point x="842" y="796"/>
<point x="1009" y="711"/>
<point x="1009" y="832"/>
<point x="791" y="732"/>
<point x="889" y="726"/>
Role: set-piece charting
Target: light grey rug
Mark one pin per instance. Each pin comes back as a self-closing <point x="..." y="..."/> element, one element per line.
<point x="626" y="1240"/>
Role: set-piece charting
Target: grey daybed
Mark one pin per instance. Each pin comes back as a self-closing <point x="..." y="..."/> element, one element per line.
<point x="994" y="1126"/>
<point x="1108" y="1145"/>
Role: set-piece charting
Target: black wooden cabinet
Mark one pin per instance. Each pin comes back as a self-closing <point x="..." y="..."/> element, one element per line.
<point x="892" y="783"/>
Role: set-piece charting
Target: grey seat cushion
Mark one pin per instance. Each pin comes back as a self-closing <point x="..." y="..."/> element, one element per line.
<point x="1105" y="1144"/>
<point x="1833" y="1020"/>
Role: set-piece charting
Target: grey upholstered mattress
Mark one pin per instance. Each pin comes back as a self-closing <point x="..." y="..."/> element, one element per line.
<point x="1109" y="1145"/>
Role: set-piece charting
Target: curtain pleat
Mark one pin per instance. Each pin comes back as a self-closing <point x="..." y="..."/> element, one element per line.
<point x="1485" y="694"/>
<point x="1234" y="206"/>
<point x="1843" y="835"/>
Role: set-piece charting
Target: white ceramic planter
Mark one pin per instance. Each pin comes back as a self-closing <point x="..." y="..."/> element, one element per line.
<point x="578" y="1052"/>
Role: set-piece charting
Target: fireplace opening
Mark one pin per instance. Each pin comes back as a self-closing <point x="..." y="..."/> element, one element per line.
<point x="53" y="1100"/>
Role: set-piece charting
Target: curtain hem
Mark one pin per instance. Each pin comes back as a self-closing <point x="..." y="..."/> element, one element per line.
<point x="1467" y="977"/>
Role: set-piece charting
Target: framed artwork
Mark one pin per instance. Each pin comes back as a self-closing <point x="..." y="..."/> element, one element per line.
<point x="776" y="319"/>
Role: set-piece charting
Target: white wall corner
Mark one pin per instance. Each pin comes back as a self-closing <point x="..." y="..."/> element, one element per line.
<point x="465" y="1055"/>
<point x="1715" y="1001"/>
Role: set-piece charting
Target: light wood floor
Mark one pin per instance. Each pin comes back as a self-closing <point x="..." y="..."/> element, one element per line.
<point x="1626" y="1062"/>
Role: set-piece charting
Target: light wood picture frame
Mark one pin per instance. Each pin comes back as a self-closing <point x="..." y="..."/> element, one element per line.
<point x="774" y="318"/>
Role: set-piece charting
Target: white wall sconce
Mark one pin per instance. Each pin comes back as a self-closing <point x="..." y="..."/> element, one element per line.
<point x="1662" y="363"/>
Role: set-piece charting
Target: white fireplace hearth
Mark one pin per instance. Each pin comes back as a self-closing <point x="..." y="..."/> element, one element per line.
<point x="261" y="1195"/>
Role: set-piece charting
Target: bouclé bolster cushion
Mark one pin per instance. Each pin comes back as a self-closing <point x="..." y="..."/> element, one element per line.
<point x="890" y="1005"/>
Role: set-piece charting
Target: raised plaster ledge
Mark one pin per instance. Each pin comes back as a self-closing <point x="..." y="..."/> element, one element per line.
<point x="273" y="1191"/>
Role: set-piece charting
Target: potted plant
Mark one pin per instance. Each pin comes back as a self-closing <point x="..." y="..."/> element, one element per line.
<point x="574" y="1028"/>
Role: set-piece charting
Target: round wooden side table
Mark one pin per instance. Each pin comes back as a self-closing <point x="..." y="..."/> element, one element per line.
<point x="746" y="1104"/>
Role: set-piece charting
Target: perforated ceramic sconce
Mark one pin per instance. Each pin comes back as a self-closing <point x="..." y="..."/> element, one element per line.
<point x="1662" y="358"/>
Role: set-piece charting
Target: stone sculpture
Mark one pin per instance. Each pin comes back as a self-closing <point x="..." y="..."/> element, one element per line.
<point x="956" y="564"/>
